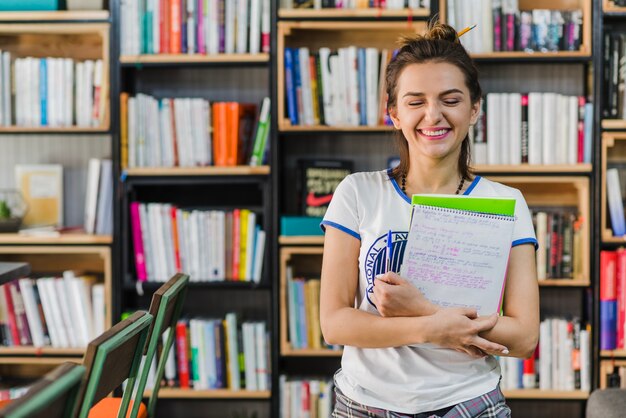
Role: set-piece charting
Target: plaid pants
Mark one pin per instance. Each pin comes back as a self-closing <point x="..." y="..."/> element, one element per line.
<point x="490" y="405"/>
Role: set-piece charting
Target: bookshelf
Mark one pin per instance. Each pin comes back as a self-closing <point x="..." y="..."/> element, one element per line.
<point x="613" y="154"/>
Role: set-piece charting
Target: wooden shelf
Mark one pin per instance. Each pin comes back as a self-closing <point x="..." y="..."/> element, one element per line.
<point x="608" y="238"/>
<point x="40" y="351"/>
<point x="545" y="394"/>
<point x="613" y="150"/>
<point x="8" y="239"/>
<point x="242" y="170"/>
<point x="38" y="361"/>
<point x="46" y="129"/>
<point x="609" y="7"/>
<point x="301" y="240"/>
<point x="531" y="168"/>
<point x="564" y="283"/>
<point x="286" y="127"/>
<point x="350" y="13"/>
<point x="614" y="124"/>
<point x="174" y="393"/>
<point x="60" y="15"/>
<point x="521" y="55"/>
<point x="312" y="352"/>
<point x="194" y="58"/>
<point x="612" y="353"/>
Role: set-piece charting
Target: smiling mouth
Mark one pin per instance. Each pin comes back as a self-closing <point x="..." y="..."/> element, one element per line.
<point x="434" y="134"/>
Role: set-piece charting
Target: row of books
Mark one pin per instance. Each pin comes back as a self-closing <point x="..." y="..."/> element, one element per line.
<point x="612" y="299"/>
<point x="209" y="245"/>
<point x="533" y="128"/>
<point x="54" y="92"/>
<point x="355" y="4"/>
<point x="195" y="26"/>
<point x="217" y="354"/>
<point x="613" y="77"/>
<point x="338" y="87"/>
<point x="501" y="26"/>
<point x="13" y="391"/>
<point x="301" y="397"/>
<point x="61" y="312"/>
<point x="189" y="132"/>
<point x="559" y="237"/>
<point x="561" y="362"/>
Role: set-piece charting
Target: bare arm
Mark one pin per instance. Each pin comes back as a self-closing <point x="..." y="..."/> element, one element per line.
<point x="343" y="324"/>
<point x="518" y="329"/>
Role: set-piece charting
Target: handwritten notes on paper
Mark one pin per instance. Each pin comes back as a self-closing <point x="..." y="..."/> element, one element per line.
<point x="457" y="257"/>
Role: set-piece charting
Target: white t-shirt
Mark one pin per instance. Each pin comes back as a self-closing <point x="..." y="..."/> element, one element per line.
<point x="417" y="378"/>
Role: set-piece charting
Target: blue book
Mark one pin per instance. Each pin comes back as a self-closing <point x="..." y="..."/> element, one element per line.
<point x="300" y="225"/>
<point x="43" y="90"/>
<point x="608" y="324"/>
<point x="297" y="80"/>
<point x="209" y="353"/>
<point x="615" y="202"/>
<point x="30" y="5"/>
<point x="303" y="332"/>
<point x="588" y="137"/>
<point x="220" y="355"/>
<point x="362" y="87"/>
<point x="290" y="90"/>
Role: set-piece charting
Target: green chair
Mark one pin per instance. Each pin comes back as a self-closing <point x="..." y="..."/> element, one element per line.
<point x="166" y="306"/>
<point x="52" y="396"/>
<point x="112" y="358"/>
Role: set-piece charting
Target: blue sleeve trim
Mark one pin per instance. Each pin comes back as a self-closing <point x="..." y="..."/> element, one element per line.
<point x="526" y="241"/>
<point x="339" y="227"/>
<point x="471" y="187"/>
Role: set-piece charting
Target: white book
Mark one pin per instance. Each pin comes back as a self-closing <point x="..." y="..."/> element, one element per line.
<point x="512" y="372"/>
<point x="166" y="134"/>
<point x="259" y="251"/>
<point x="191" y="27"/>
<point x="305" y="80"/>
<point x="88" y="92"/>
<point x="229" y="26"/>
<point x="104" y="213"/>
<point x="561" y="128"/>
<point x="156" y="27"/>
<point x="57" y="315"/>
<point x="181" y="220"/>
<point x="207" y="127"/>
<point x="148" y="246"/>
<point x="6" y="81"/>
<point x="168" y="241"/>
<point x="3" y="88"/>
<point x="35" y="92"/>
<point x="233" y="351"/>
<point x="99" y="308"/>
<point x="327" y="87"/>
<point x="585" y="361"/>
<point x="249" y="355"/>
<point x="76" y="309"/>
<point x="572" y="130"/>
<point x="154" y="133"/>
<point x="266" y="22"/>
<point x="221" y="245"/>
<point x="535" y="128"/>
<point x="213" y="26"/>
<point x="91" y="194"/>
<point x="515" y="128"/>
<point x="353" y="85"/>
<point x="554" y="355"/>
<point x="338" y="99"/>
<point x="209" y="353"/>
<point x="493" y="131"/>
<point x="242" y="26"/>
<point x="505" y="131"/>
<point x="69" y="79"/>
<point x="261" y="352"/>
<point x="486" y="25"/>
<point x="371" y="76"/>
<point x="96" y="111"/>
<point x="57" y="337"/>
<point x="255" y="26"/>
<point x="63" y="301"/>
<point x="615" y="202"/>
<point x="541" y="254"/>
<point x="170" y="364"/>
<point x="32" y="312"/>
<point x="548" y="143"/>
<point x="545" y="361"/>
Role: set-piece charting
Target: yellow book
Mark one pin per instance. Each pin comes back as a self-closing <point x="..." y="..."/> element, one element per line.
<point x="124" y="130"/>
<point x="41" y="187"/>
<point x="315" y="328"/>
<point x="243" y="243"/>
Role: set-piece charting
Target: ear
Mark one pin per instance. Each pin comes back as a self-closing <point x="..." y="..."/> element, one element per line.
<point x="475" y="112"/>
<point x="394" y="117"/>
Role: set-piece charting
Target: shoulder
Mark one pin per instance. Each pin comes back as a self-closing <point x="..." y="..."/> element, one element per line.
<point x="368" y="177"/>
<point x="486" y="187"/>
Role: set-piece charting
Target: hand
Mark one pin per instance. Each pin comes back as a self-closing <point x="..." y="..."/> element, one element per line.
<point x="394" y="296"/>
<point x="458" y="329"/>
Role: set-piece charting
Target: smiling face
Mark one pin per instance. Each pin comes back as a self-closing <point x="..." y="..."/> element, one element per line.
<point x="433" y="109"/>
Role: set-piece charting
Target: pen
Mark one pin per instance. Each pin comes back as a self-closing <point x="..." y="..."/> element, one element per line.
<point x="464" y="31"/>
<point x="389" y="250"/>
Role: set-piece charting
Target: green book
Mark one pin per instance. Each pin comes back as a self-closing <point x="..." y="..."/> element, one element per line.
<point x="492" y="205"/>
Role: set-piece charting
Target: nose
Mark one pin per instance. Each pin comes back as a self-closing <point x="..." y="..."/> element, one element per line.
<point x="433" y="112"/>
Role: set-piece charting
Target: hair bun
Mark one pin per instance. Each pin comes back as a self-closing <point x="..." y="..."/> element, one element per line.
<point x="437" y="30"/>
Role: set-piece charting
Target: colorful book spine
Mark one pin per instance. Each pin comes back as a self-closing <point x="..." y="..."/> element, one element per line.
<point x="135" y="224"/>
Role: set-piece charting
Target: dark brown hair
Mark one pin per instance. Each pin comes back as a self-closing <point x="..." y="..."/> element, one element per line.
<point x="440" y="43"/>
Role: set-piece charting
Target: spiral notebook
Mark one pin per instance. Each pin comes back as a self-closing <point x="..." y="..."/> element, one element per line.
<point x="458" y="249"/>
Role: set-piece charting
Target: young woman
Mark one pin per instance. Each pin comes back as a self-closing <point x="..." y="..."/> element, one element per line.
<point x="404" y="356"/>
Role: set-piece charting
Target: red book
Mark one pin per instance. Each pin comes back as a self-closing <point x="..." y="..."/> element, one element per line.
<point x="164" y="23"/>
<point x="176" y="243"/>
<point x="20" y="314"/>
<point x="135" y="227"/>
<point x="15" y="335"/>
<point x="581" y="129"/>
<point x="236" y="243"/>
<point x="175" y="24"/>
<point x="232" y="132"/>
<point x="608" y="270"/>
<point x="182" y="360"/>
<point x="220" y="133"/>
<point x="620" y="292"/>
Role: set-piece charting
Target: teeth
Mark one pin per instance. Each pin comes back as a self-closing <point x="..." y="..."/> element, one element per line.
<point x="435" y="133"/>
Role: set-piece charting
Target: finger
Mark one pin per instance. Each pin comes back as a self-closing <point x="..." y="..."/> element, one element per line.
<point x="469" y="312"/>
<point x="485" y="323"/>
<point x="475" y="351"/>
<point x="489" y="346"/>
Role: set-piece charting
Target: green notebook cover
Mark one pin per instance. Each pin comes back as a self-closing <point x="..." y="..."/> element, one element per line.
<point x="491" y="205"/>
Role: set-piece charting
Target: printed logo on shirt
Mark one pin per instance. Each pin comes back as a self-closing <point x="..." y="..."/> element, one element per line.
<point x="376" y="258"/>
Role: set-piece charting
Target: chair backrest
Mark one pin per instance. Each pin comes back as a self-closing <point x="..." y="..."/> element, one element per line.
<point x="166" y="306"/>
<point x="112" y="358"/>
<point x="52" y="396"/>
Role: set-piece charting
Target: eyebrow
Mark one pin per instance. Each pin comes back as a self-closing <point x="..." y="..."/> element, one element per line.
<point x="443" y="93"/>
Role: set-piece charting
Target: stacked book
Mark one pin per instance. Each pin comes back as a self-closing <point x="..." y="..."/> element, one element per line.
<point x="51" y="92"/>
<point x="301" y="397"/>
<point x="558" y="231"/>
<point x="209" y="245"/>
<point x="336" y="87"/>
<point x="533" y="128"/>
<point x="217" y="354"/>
<point x="195" y="26"/>
<point x="62" y="312"/>
<point x="612" y="299"/>
<point x="190" y="132"/>
<point x="561" y="362"/>
<point x="501" y="26"/>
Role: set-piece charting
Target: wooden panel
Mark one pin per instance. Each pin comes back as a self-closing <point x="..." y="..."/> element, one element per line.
<point x="62" y="239"/>
<point x="613" y="152"/>
<point x="198" y="171"/>
<point x="55" y="15"/>
<point x="173" y="393"/>
<point x="193" y="58"/>
<point x="545" y="394"/>
<point x="350" y="13"/>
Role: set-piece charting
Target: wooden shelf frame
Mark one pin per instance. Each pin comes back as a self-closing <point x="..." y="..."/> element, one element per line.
<point x="332" y="13"/>
<point x="559" y="191"/>
<point x="177" y="393"/>
<point x="614" y="123"/>
<point x="242" y="170"/>
<point x="310" y="352"/>
<point x="531" y="168"/>
<point x="46" y="259"/>
<point x="606" y="366"/>
<point x="586" y="42"/>
<point x="166" y="59"/>
<point x="539" y="394"/>
<point x="79" y="41"/>
<point x="40" y="351"/>
<point x="286" y="256"/>
<point x="609" y="7"/>
<point x="336" y="34"/>
<point x="55" y="16"/>
<point x="63" y="239"/>
<point x="609" y="140"/>
<point x="613" y="353"/>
